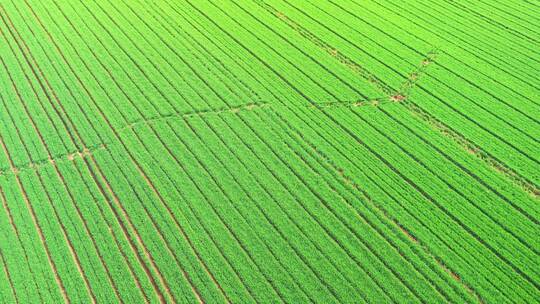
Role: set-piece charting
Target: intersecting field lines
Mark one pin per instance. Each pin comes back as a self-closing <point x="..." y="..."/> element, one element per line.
<point x="205" y="151"/>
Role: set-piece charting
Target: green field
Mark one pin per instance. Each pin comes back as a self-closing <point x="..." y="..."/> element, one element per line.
<point x="280" y="151"/>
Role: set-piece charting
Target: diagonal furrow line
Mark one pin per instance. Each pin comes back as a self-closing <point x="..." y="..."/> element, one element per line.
<point x="179" y="92"/>
<point x="255" y="94"/>
<point x="148" y="180"/>
<point x="497" y="165"/>
<point x="98" y="204"/>
<point x="131" y="156"/>
<point x="390" y="95"/>
<point x="434" y="29"/>
<point x="522" y="182"/>
<point x="83" y="153"/>
<point x="413" y="78"/>
<point x="8" y="275"/>
<point x="367" y="75"/>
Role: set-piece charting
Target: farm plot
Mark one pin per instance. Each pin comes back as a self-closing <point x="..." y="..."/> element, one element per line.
<point x="269" y="151"/>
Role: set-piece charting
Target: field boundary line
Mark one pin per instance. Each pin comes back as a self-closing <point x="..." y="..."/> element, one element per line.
<point x="197" y="113"/>
<point x="373" y="102"/>
<point x="474" y="149"/>
<point x="396" y="97"/>
<point x="396" y="201"/>
<point x="472" y="83"/>
<point x="36" y="165"/>
<point x="412" y="81"/>
<point x="428" y="59"/>
<point x="519" y="130"/>
<point x="402" y="96"/>
<point x="457" y="92"/>
<point x="389" y="93"/>
<point x="464" y="78"/>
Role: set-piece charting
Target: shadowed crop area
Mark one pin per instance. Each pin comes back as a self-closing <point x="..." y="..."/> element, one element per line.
<point x="280" y="151"/>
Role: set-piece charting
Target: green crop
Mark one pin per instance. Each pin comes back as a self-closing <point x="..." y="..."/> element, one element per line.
<point x="205" y="151"/>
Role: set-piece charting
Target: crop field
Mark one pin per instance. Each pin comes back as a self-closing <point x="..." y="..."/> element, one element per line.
<point x="269" y="151"/>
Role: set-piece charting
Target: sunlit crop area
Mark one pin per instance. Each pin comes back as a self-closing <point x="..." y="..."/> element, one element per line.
<point x="252" y="151"/>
